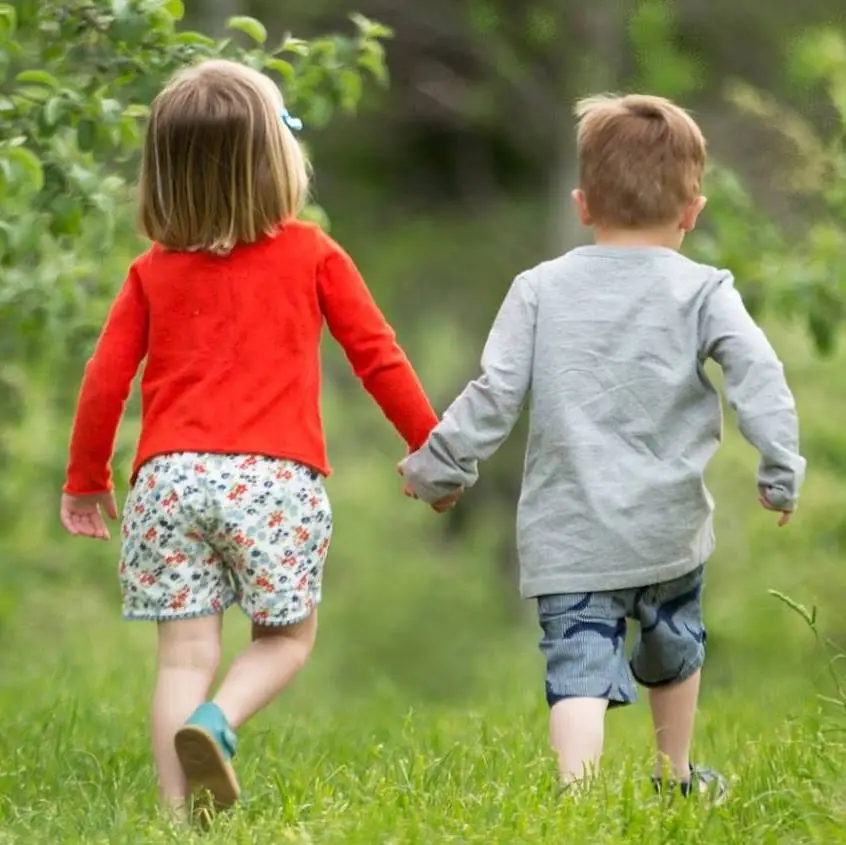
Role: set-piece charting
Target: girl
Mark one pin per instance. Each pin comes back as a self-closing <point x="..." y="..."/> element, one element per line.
<point x="227" y="502"/>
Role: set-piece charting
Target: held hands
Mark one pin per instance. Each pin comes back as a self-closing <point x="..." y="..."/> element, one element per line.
<point x="82" y="516"/>
<point x="442" y="505"/>
<point x="768" y="505"/>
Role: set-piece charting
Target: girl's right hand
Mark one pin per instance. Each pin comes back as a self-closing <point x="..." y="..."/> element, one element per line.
<point x="442" y="505"/>
<point x="82" y="516"/>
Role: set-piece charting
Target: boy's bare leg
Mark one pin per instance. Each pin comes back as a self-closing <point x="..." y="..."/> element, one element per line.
<point x="673" y="715"/>
<point x="576" y="733"/>
<point x="188" y="658"/>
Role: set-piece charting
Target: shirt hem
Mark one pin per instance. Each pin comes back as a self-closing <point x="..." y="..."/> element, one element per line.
<point x="587" y="582"/>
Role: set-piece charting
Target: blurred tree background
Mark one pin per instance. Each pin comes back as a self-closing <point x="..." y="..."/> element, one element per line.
<point x="443" y="185"/>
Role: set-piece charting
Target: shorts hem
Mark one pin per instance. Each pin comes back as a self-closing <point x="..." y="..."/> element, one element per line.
<point x="173" y="616"/>
<point x="621" y="698"/>
<point x="687" y="672"/>
<point x="290" y="619"/>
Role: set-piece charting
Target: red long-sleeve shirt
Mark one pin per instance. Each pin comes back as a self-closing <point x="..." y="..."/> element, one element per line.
<point x="232" y="356"/>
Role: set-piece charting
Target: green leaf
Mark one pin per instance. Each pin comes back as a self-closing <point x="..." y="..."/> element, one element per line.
<point x="372" y="59"/>
<point x="249" y="26"/>
<point x="67" y="216"/>
<point x="194" y="39"/>
<point x="350" y="87"/>
<point x="8" y="20"/>
<point x="294" y="45"/>
<point x="86" y="135"/>
<point x="38" y="77"/>
<point x="175" y="8"/>
<point x="797" y="607"/>
<point x="283" y="68"/>
<point x="52" y="111"/>
<point x="34" y="92"/>
<point x="136" y="110"/>
<point x="27" y="162"/>
<point x="369" y="28"/>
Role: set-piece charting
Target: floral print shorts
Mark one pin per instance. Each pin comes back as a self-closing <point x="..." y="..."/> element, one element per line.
<point x="203" y="531"/>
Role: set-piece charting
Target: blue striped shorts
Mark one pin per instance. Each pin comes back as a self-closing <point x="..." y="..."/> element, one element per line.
<point x="584" y="639"/>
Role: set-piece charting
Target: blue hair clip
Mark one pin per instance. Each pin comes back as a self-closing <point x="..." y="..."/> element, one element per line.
<point x="293" y="123"/>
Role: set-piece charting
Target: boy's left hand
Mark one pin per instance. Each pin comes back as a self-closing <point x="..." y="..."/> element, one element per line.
<point x="82" y="516"/>
<point x="768" y="505"/>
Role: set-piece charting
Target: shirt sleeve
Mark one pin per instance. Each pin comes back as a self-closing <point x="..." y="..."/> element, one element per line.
<point x="482" y="417"/>
<point x="106" y="385"/>
<point x="756" y="389"/>
<point x="370" y="344"/>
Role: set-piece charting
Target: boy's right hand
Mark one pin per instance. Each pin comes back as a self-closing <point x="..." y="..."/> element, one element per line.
<point x="768" y="505"/>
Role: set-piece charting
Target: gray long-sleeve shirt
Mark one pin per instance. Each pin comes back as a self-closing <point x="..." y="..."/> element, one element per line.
<point x="610" y="343"/>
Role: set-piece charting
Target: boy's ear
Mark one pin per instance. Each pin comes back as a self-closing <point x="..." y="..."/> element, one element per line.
<point x="581" y="207"/>
<point x="691" y="214"/>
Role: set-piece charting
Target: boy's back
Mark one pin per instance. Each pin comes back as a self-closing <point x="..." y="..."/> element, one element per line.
<point x="623" y="422"/>
<point x="624" y="419"/>
<point x="609" y="343"/>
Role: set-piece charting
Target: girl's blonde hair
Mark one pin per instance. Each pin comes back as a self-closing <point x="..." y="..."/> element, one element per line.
<point x="220" y="167"/>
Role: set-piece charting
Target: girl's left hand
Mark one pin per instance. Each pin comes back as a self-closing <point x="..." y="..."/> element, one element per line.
<point x="82" y="516"/>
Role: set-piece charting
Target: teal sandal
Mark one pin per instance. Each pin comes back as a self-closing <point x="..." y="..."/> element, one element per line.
<point x="205" y="745"/>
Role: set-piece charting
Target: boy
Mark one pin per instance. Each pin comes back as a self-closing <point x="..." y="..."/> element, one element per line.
<point x="614" y="520"/>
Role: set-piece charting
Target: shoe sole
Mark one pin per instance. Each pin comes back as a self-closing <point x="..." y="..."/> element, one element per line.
<point x="206" y="767"/>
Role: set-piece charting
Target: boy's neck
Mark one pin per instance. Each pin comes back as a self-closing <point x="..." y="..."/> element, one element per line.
<point x="667" y="237"/>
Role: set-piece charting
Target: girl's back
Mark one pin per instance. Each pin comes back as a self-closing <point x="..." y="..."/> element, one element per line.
<point x="232" y="346"/>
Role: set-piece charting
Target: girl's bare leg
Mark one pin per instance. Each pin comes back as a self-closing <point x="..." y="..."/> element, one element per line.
<point x="188" y="659"/>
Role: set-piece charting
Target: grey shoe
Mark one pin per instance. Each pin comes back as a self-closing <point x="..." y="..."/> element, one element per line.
<point x="703" y="781"/>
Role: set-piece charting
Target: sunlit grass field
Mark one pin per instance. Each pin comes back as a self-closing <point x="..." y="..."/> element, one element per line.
<point x="75" y="766"/>
<point x="421" y="718"/>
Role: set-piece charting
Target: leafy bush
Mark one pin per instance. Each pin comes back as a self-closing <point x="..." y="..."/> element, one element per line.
<point x="77" y="80"/>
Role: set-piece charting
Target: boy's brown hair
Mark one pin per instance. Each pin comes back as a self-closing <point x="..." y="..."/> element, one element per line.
<point x="219" y="167"/>
<point x="641" y="160"/>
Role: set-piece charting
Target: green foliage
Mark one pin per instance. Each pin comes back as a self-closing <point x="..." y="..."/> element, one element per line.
<point x="809" y="616"/>
<point x="804" y="267"/>
<point x="77" y="78"/>
<point x="661" y="65"/>
<point x="793" y="272"/>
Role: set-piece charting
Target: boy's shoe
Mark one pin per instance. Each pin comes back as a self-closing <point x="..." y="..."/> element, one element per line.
<point x="703" y="781"/>
<point x="205" y="745"/>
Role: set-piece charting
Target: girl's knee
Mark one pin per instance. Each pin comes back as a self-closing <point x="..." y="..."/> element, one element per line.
<point x="297" y="639"/>
<point x="190" y="643"/>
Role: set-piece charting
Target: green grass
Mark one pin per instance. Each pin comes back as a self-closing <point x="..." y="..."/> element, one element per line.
<point x="75" y="767"/>
<point x="421" y="718"/>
